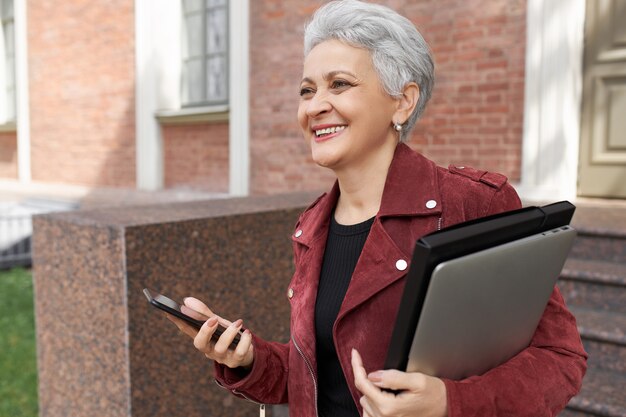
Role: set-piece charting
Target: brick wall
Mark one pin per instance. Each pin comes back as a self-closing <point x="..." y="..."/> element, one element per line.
<point x="8" y="155"/>
<point x="475" y="116"/>
<point x="279" y="156"/>
<point x="196" y="156"/>
<point x="81" y="81"/>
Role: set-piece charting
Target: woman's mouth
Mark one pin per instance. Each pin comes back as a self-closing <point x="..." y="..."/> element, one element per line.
<point x="323" y="133"/>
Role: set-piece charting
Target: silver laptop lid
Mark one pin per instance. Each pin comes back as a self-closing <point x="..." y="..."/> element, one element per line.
<point x="483" y="308"/>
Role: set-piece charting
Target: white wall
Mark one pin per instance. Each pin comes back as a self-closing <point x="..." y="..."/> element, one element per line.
<point x="158" y="72"/>
<point x="552" y="110"/>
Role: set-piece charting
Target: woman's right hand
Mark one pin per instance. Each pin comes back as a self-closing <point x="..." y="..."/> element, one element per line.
<point x="219" y="351"/>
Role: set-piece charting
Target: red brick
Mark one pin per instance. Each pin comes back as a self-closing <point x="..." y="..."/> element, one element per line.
<point x="8" y="155"/>
<point x="503" y="108"/>
<point x="196" y="156"/>
<point x="492" y="63"/>
<point x="493" y="98"/>
<point x="493" y="87"/>
<point x="82" y="92"/>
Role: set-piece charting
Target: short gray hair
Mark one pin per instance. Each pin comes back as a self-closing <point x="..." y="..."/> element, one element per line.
<point x="400" y="54"/>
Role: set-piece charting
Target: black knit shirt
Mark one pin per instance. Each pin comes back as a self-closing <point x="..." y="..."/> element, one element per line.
<point x="343" y="248"/>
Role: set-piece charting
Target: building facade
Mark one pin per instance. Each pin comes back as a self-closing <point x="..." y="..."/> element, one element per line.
<point x="202" y="94"/>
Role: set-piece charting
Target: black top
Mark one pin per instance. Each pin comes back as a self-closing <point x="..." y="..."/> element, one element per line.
<point x="343" y="248"/>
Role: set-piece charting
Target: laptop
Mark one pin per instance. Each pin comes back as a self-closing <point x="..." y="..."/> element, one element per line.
<point x="475" y="292"/>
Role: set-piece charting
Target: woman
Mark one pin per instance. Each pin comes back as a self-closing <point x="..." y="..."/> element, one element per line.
<point x="367" y="77"/>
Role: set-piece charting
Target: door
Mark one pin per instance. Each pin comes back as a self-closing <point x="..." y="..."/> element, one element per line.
<point x="602" y="168"/>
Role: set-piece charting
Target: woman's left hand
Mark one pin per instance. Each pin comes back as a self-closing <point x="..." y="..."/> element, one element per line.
<point x="421" y="394"/>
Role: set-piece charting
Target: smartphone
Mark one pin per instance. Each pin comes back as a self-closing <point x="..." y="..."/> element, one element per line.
<point x="192" y="317"/>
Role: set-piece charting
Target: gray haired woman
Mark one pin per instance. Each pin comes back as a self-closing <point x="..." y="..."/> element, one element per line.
<point x="367" y="77"/>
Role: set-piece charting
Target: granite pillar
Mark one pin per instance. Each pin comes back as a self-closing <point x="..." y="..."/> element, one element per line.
<point x="104" y="351"/>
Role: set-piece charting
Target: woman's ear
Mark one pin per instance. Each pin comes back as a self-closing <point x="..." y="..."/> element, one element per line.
<point x="407" y="102"/>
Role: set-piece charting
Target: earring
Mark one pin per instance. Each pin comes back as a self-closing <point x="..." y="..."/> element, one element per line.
<point x="397" y="126"/>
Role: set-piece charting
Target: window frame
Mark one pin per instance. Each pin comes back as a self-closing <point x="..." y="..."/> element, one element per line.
<point x="205" y="55"/>
<point x="9" y="89"/>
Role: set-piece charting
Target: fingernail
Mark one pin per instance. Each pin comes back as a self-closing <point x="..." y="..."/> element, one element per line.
<point x="237" y="323"/>
<point x="211" y="322"/>
<point x="375" y="376"/>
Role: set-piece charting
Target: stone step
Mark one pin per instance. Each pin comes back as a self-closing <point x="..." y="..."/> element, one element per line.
<point x="594" y="284"/>
<point x="603" y="245"/>
<point x="595" y="271"/>
<point x="602" y="394"/>
<point x="604" y="338"/>
<point x="605" y="355"/>
<point x="601" y="326"/>
<point x="593" y="296"/>
<point x="574" y="413"/>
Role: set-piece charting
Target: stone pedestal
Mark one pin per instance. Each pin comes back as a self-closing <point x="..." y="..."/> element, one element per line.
<point x="104" y="351"/>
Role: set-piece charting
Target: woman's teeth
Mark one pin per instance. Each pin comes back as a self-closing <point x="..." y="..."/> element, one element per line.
<point x="329" y="130"/>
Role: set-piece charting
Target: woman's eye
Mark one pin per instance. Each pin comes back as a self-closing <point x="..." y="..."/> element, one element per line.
<point x="305" y="91"/>
<point x="338" y="84"/>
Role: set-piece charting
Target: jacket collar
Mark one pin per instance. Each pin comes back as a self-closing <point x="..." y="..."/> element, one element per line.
<point x="410" y="190"/>
<point x="314" y="222"/>
<point x="411" y="184"/>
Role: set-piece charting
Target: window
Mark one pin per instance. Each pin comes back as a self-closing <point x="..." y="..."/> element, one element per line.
<point x="204" y="53"/>
<point x="7" y="69"/>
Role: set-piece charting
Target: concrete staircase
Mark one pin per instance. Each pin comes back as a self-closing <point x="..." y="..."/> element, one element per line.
<point x="593" y="283"/>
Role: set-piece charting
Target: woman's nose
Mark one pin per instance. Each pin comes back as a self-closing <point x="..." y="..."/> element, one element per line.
<point x="317" y="105"/>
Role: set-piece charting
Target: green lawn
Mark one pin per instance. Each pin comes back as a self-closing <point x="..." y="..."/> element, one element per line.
<point x="18" y="367"/>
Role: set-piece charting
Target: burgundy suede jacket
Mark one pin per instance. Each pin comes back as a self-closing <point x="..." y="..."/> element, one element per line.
<point x="418" y="198"/>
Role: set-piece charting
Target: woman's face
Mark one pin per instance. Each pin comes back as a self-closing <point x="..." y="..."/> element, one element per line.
<point x="345" y="114"/>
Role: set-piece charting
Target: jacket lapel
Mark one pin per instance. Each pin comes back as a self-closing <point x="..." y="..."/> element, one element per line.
<point x="410" y="189"/>
<point x="376" y="269"/>
<point x="310" y="241"/>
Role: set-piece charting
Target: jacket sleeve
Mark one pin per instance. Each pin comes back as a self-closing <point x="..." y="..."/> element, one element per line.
<point x="266" y="382"/>
<point x="541" y="379"/>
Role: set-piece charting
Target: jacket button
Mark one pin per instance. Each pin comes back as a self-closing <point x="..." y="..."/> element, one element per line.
<point x="290" y="293"/>
<point x="298" y="233"/>
<point x="401" y="264"/>
<point x="431" y="204"/>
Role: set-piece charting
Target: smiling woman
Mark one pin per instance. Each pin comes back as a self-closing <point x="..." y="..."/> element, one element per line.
<point x="338" y="91"/>
<point x="367" y="77"/>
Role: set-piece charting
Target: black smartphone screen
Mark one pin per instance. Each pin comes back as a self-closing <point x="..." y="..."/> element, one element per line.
<point x="192" y="317"/>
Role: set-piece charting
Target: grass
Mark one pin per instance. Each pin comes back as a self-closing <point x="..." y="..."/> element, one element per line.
<point x="18" y="366"/>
